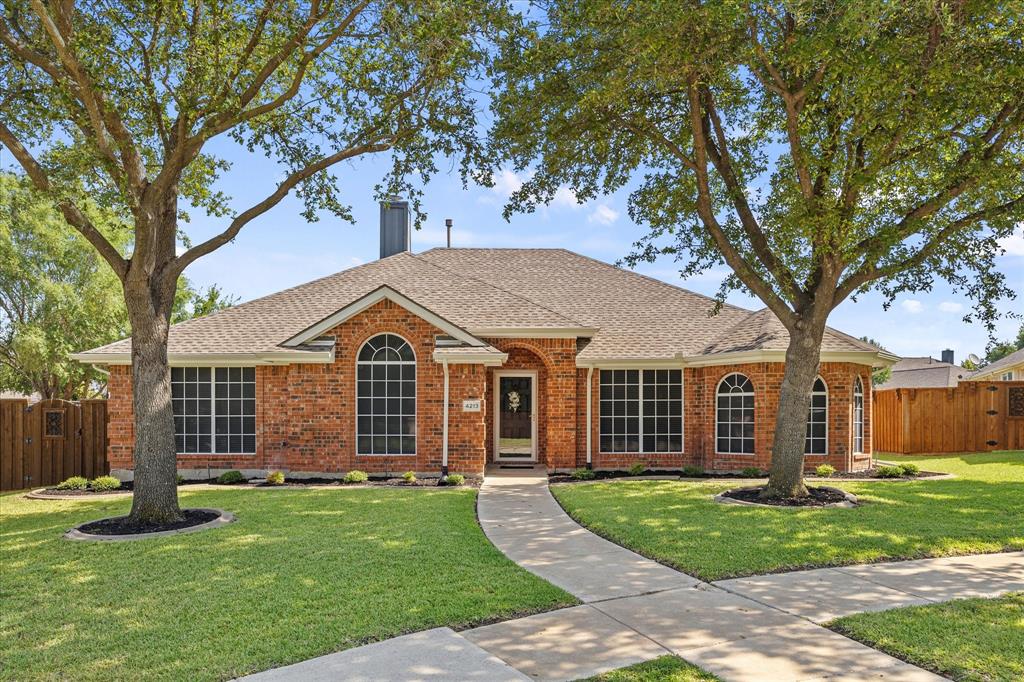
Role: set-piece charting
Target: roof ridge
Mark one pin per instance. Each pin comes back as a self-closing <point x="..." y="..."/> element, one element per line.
<point x="495" y="286"/>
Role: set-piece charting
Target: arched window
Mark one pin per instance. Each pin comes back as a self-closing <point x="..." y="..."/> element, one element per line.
<point x="735" y="418"/>
<point x="858" y="415"/>
<point x="816" y="442"/>
<point x="386" y="397"/>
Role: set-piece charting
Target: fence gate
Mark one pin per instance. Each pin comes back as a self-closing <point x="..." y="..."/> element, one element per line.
<point x="43" y="443"/>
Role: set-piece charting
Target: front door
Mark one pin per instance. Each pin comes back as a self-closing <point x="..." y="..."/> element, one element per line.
<point x="515" y="437"/>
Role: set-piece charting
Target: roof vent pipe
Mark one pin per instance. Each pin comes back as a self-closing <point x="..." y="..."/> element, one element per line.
<point x="448" y="227"/>
<point x="395" y="227"/>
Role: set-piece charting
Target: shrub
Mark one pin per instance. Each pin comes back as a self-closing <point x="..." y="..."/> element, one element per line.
<point x="584" y="474"/>
<point x="231" y="477"/>
<point x="356" y="476"/>
<point x="275" y="478"/>
<point x="456" y="479"/>
<point x="693" y="471"/>
<point x="637" y="469"/>
<point x="751" y="472"/>
<point x="409" y="477"/>
<point x="104" y="483"/>
<point x="73" y="483"/>
<point x="890" y="471"/>
<point x="910" y="469"/>
<point x="825" y="470"/>
<point x="179" y="479"/>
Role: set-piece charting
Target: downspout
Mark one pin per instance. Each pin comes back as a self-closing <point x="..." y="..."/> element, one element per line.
<point x="590" y="399"/>
<point x="444" y="430"/>
<point x="100" y="370"/>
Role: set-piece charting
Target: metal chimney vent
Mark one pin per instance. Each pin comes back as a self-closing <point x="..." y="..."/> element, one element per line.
<point x="395" y="227"/>
<point x="947" y="356"/>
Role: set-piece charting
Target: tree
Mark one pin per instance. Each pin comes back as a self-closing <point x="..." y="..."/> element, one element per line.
<point x="120" y="101"/>
<point x="57" y="296"/>
<point x="820" y="149"/>
<point x="999" y="350"/>
<point x="879" y="375"/>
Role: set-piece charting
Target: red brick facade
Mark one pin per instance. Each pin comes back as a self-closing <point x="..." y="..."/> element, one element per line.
<point x="306" y="420"/>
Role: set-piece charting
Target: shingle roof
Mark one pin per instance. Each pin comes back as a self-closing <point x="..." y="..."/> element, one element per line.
<point x="1005" y="363"/>
<point x="635" y="317"/>
<point x="923" y="372"/>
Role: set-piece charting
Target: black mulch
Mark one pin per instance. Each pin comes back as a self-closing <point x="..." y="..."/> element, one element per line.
<point x="818" y="497"/>
<point x="470" y="482"/>
<point x="120" y="525"/>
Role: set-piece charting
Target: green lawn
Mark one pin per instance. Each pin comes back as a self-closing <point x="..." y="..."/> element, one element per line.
<point x="664" y="669"/>
<point x="982" y="510"/>
<point x="301" y="573"/>
<point x="981" y="640"/>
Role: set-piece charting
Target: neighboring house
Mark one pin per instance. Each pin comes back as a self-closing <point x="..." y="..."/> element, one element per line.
<point x="15" y="395"/>
<point x="925" y="372"/>
<point x="465" y="357"/>
<point x="1009" y="368"/>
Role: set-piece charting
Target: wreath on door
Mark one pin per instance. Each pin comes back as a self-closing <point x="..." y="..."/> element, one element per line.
<point x="513" y="401"/>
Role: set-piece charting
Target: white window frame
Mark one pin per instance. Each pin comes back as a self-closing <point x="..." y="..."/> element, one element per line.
<point x="1006" y="376"/>
<point x="827" y="407"/>
<point x="213" y="411"/>
<point x="752" y="394"/>
<point x="415" y="404"/>
<point x="640" y="412"/>
<point x="858" y="392"/>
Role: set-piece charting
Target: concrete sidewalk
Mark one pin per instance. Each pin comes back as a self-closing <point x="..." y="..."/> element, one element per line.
<point x="763" y="628"/>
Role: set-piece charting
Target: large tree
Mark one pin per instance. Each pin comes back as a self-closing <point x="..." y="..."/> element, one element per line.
<point x="57" y="295"/>
<point x="819" y="148"/>
<point x="119" y="101"/>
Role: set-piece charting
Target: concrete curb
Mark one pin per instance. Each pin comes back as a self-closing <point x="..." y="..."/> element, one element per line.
<point x="849" y="503"/>
<point x="41" y="494"/>
<point x="222" y="520"/>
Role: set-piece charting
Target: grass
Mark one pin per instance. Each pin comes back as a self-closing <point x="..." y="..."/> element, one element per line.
<point x="678" y="523"/>
<point x="664" y="669"/>
<point x="981" y="640"/>
<point x="301" y="573"/>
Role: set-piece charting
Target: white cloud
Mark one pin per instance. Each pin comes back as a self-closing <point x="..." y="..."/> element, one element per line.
<point x="951" y="307"/>
<point x="506" y="182"/>
<point x="911" y="306"/>
<point x="565" y="197"/>
<point x="1014" y="244"/>
<point x="603" y="214"/>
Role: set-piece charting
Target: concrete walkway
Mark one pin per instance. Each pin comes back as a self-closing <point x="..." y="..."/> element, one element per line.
<point x="763" y="628"/>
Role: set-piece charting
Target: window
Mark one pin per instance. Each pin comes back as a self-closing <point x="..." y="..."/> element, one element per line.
<point x="816" y="442"/>
<point x="1006" y="376"/>
<point x="386" y="397"/>
<point x="642" y="410"/>
<point x="735" y="415"/>
<point x="214" y="409"/>
<point x="858" y="415"/>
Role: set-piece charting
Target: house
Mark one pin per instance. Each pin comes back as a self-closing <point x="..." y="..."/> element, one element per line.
<point x="1009" y="368"/>
<point x="926" y="372"/>
<point x="457" y="358"/>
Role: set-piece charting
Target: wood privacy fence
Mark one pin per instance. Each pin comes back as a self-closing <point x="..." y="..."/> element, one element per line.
<point x="43" y="443"/>
<point x="976" y="416"/>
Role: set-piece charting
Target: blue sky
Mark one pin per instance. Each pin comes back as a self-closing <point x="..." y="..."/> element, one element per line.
<point x="280" y="249"/>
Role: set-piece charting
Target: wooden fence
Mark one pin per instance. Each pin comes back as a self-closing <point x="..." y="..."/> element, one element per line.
<point x="976" y="416"/>
<point x="45" y="442"/>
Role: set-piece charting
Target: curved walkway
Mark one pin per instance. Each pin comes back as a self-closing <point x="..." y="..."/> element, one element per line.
<point x="763" y="628"/>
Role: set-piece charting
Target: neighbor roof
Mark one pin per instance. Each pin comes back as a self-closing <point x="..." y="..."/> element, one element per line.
<point x="924" y="372"/>
<point x="1002" y="364"/>
<point x="501" y="292"/>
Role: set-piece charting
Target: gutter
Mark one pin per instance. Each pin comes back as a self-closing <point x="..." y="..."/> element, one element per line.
<point x="444" y="430"/>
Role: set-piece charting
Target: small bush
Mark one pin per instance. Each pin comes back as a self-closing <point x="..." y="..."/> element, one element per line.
<point x="751" y="472"/>
<point x="584" y="474"/>
<point x="231" y="477"/>
<point x="910" y="469"/>
<point x="825" y="470"/>
<point x="275" y="478"/>
<point x="73" y="483"/>
<point x="105" y="483"/>
<point x="356" y="476"/>
<point x="409" y="477"/>
<point x="637" y="469"/>
<point x="692" y="471"/>
<point x="179" y="479"/>
<point x="456" y="479"/>
<point x="890" y="471"/>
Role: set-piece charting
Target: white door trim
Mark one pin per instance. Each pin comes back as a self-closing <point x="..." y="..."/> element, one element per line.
<point x="534" y="400"/>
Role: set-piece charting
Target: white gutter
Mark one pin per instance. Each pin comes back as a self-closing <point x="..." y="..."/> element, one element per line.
<point x="215" y="359"/>
<point x="101" y="370"/>
<point x="444" y="430"/>
<point x="590" y="398"/>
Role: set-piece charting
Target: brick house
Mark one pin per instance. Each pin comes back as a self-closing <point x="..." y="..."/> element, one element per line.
<point x="466" y="357"/>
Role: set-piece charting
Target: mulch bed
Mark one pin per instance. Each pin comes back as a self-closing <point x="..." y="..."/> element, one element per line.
<point x="605" y="475"/>
<point x="873" y="473"/>
<point x="86" y="493"/>
<point x="727" y="475"/>
<point x="819" y="497"/>
<point x="120" y="525"/>
<point x="373" y="482"/>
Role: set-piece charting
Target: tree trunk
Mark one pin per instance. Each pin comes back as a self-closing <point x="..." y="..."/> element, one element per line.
<point x="803" y="357"/>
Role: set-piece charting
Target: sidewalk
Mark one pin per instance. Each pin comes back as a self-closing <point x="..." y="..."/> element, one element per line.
<point x="762" y="628"/>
